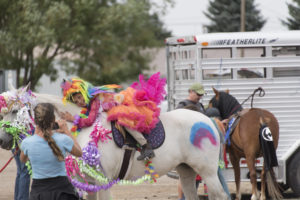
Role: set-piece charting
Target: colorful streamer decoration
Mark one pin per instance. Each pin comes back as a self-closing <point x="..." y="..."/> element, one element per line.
<point x="83" y="114"/>
<point x="89" y="164"/>
<point x="150" y="171"/>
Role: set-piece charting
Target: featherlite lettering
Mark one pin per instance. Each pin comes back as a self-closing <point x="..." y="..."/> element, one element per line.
<point x="240" y="41"/>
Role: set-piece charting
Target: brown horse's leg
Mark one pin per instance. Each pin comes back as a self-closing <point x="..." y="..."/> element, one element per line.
<point x="263" y="184"/>
<point x="235" y="161"/>
<point x="251" y="166"/>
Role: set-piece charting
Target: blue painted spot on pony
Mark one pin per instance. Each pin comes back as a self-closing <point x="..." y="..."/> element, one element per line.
<point x="200" y="131"/>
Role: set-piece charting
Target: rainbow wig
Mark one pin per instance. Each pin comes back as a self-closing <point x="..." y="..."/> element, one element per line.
<point x="88" y="91"/>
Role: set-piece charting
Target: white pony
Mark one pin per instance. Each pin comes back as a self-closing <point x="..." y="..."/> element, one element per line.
<point x="179" y="150"/>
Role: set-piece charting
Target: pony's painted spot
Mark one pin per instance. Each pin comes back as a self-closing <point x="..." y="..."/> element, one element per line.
<point x="200" y="131"/>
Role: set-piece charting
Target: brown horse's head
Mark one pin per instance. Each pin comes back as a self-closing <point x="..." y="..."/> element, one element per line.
<point x="225" y="103"/>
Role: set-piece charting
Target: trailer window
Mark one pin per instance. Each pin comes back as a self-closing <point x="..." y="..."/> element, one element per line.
<point x="250" y="52"/>
<point x="188" y="54"/>
<point x="216" y="53"/>
<point x="177" y="74"/>
<point x="217" y="74"/>
<point x="251" y="73"/>
<point x="185" y="74"/>
<point x="286" y="51"/>
<point x="286" y="71"/>
<point x="173" y="55"/>
<point x="192" y="74"/>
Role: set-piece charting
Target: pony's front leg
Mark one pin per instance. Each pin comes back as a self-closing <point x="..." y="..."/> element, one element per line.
<point x="92" y="196"/>
<point x="104" y="195"/>
<point x="101" y="195"/>
<point x="235" y="161"/>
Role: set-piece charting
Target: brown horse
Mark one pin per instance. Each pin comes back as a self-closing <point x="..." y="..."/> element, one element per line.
<point x="245" y="142"/>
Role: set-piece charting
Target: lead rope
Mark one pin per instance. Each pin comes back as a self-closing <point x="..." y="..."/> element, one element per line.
<point x="7" y="163"/>
<point x="261" y="94"/>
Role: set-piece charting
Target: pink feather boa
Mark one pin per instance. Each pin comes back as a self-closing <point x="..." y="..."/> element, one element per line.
<point x="151" y="90"/>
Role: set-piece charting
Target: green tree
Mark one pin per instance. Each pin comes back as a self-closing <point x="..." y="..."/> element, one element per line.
<point x="118" y="55"/>
<point x="225" y="16"/>
<point x="98" y="40"/>
<point x="293" y="22"/>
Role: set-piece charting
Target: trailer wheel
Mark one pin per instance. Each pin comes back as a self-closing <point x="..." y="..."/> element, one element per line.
<point x="293" y="174"/>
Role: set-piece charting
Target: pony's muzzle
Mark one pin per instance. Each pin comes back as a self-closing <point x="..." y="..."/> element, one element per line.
<point x="6" y="141"/>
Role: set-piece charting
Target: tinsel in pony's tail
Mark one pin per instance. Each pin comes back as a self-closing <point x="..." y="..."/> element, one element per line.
<point x="223" y="182"/>
<point x="153" y="89"/>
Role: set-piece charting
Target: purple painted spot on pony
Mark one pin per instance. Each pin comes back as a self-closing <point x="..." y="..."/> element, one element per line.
<point x="200" y="131"/>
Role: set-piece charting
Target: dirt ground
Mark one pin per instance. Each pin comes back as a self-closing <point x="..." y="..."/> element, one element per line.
<point x="165" y="188"/>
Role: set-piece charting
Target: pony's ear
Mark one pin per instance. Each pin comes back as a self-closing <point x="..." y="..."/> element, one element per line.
<point x="27" y="87"/>
<point x="216" y="93"/>
<point x="22" y="91"/>
<point x="11" y="87"/>
<point x="227" y="91"/>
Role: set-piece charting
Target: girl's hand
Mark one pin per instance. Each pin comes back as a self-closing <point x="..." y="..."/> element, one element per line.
<point x="67" y="116"/>
<point x="63" y="127"/>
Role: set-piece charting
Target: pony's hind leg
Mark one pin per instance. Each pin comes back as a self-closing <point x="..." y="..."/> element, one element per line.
<point x="188" y="181"/>
<point x="215" y="188"/>
<point x="251" y="166"/>
<point x="263" y="184"/>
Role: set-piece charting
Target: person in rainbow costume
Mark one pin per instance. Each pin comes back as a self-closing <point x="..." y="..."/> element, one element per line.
<point x="135" y="108"/>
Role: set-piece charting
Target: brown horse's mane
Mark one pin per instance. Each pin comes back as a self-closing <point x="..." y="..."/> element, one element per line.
<point x="227" y="104"/>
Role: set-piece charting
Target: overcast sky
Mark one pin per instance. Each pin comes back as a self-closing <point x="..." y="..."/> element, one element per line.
<point x="187" y="18"/>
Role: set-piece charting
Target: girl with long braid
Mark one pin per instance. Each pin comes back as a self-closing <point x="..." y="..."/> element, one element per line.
<point x="46" y="151"/>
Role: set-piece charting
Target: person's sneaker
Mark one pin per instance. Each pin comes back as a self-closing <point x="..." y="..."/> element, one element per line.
<point x="146" y="152"/>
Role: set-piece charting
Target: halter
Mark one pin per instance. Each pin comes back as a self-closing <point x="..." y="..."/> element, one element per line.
<point x="23" y="124"/>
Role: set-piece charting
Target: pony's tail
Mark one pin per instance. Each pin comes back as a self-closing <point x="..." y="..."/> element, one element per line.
<point x="270" y="161"/>
<point x="223" y="183"/>
<point x="218" y="124"/>
<point x="272" y="185"/>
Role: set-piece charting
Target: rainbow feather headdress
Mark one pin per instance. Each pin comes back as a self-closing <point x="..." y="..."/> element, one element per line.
<point x="88" y="91"/>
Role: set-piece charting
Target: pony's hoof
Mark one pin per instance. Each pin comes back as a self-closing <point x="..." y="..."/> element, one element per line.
<point x="254" y="197"/>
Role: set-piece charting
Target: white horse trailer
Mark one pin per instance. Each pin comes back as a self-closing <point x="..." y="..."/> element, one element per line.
<point x="242" y="62"/>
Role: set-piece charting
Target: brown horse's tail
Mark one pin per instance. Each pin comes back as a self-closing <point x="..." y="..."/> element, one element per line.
<point x="272" y="185"/>
<point x="270" y="158"/>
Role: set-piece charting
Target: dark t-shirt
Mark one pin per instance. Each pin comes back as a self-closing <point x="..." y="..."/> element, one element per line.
<point x="191" y="105"/>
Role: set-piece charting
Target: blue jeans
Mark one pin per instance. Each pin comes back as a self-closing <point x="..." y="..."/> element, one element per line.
<point x="197" y="185"/>
<point x="22" y="180"/>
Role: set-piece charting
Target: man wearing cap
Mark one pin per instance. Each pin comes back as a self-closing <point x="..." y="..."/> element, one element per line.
<point x="196" y="91"/>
